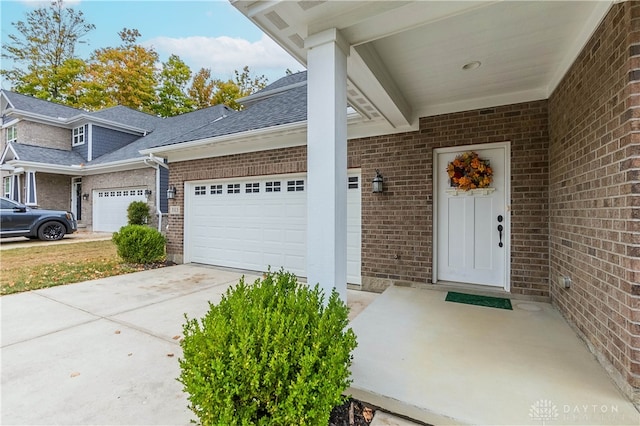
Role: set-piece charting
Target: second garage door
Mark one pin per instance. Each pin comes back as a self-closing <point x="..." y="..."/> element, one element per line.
<point x="254" y="223"/>
<point x="110" y="207"/>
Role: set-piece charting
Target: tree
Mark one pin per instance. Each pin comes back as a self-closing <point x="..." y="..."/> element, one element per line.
<point x="43" y="50"/>
<point x="206" y="91"/>
<point x="249" y="84"/>
<point x="201" y="90"/>
<point x="123" y="75"/>
<point x="172" y="98"/>
<point x="242" y="85"/>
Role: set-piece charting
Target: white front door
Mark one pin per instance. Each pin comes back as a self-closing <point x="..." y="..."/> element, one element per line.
<point x="471" y="241"/>
<point x="76" y="198"/>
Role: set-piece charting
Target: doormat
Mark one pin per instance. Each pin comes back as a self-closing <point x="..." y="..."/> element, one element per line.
<point x="472" y="299"/>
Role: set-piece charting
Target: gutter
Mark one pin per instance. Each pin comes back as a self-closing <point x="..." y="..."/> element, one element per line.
<point x="299" y="126"/>
<point x="76" y="119"/>
<point x="156" y="165"/>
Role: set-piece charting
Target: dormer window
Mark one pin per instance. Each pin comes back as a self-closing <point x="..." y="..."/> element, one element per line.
<point x="78" y="136"/>
<point x="11" y="134"/>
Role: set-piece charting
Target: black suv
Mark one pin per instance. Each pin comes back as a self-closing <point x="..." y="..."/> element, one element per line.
<point x="19" y="220"/>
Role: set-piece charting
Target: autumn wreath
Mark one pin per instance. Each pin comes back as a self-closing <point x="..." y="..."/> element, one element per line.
<point x="468" y="171"/>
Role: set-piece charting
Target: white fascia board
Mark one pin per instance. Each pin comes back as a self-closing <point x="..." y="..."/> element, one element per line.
<point x="248" y="142"/>
<point x="234" y="138"/>
<point x="81" y="119"/>
<point x="484" y="102"/>
<point x="6" y="98"/>
<point x="8" y="149"/>
<point x="76" y="121"/>
<point x="10" y="123"/>
<point x="82" y="170"/>
<point x="47" y="168"/>
<point x="116" y="166"/>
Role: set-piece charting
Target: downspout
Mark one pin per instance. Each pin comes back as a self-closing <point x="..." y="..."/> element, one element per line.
<point x="156" y="166"/>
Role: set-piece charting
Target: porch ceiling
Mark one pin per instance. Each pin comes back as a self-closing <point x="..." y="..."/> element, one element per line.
<point x="406" y="57"/>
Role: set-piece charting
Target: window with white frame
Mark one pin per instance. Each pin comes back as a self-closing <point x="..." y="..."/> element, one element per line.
<point x="6" y="184"/>
<point x="11" y="134"/>
<point x="78" y="136"/>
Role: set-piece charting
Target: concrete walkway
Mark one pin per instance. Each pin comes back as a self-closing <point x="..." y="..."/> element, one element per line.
<point x="106" y="351"/>
<point x="449" y="363"/>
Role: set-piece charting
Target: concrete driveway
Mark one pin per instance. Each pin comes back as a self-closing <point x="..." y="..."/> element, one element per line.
<point x="106" y="351"/>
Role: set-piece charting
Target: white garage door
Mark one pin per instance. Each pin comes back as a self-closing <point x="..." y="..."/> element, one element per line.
<point x="254" y="223"/>
<point x="110" y="207"/>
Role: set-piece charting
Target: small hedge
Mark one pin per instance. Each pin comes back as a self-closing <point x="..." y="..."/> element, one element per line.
<point x="271" y="353"/>
<point x="140" y="244"/>
<point x="138" y="213"/>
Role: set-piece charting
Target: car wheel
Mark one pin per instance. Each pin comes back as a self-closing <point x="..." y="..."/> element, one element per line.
<point x="51" y="231"/>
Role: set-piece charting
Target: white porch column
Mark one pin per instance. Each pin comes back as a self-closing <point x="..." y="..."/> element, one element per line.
<point x="327" y="161"/>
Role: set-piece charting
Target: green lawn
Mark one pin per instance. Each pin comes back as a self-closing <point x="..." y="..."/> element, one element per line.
<point x="32" y="268"/>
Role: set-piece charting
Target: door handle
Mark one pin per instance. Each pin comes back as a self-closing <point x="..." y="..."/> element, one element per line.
<point x="500" y="228"/>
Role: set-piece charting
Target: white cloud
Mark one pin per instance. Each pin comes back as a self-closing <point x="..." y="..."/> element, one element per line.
<point x="224" y="54"/>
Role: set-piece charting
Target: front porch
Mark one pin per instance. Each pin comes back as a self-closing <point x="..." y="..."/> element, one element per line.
<point x="449" y="363"/>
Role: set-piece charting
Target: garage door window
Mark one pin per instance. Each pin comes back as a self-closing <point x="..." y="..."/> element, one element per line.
<point x="295" y="185"/>
<point x="251" y="188"/>
<point x="233" y="188"/>
<point x="200" y="190"/>
<point x="272" y="187"/>
<point x="216" y="189"/>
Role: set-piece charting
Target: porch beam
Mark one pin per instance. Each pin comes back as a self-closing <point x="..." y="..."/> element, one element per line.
<point x="327" y="161"/>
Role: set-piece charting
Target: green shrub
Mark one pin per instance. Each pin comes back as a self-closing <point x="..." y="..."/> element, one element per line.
<point x="139" y="244"/>
<point x="271" y="353"/>
<point x="138" y="213"/>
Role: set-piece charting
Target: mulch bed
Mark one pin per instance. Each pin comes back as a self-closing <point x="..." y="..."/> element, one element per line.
<point x="352" y="413"/>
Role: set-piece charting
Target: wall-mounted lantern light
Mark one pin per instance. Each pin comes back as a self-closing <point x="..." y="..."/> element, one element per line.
<point x="85" y="196"/>
<point x="147" y="192"/>
<point x="377" y="183"/>
<point x="171" y="193"/>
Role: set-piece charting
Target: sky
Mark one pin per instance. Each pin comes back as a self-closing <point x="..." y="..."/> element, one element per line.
<point x="210" y="34"/>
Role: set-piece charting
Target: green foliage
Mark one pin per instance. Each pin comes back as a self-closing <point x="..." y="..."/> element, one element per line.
<point x="138" y="213"/>
<point x="201" y="89"/>
<point x="45" y="65"/>
<point x="271" y="353"/>
<point x="140" y="244"/>
<point x="172" y="97"/>
<point x="206" y="91"/>
<point x="43" y="52"/>
<point x="123" y="75"/>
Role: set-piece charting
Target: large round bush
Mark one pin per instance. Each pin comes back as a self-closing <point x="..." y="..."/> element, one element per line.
<point x="140" y="244"/>
<point x="271" y="353"/>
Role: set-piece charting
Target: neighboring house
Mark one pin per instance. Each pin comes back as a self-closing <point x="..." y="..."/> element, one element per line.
<point x="549" y="92"/>
<point x="58" y="157"/>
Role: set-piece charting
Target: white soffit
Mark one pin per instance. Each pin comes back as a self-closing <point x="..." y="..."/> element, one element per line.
<point x="415" y="50"/>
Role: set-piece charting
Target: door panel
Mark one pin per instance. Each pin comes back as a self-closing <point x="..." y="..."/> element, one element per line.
<point x="467" y="248"/>
<point x="262" y="228"/>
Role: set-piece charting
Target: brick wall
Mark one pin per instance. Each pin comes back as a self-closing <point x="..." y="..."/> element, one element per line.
<point x="54" y="191"/>
<point x="277" y="161"/>
<point x="44" y="135"/>
<point x="398" y="222"/>
<point x="141" y="178"/>
<point x="595" y="193"/>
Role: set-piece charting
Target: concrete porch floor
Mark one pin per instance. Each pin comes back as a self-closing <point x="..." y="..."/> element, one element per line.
<point x="449" y="363"/>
